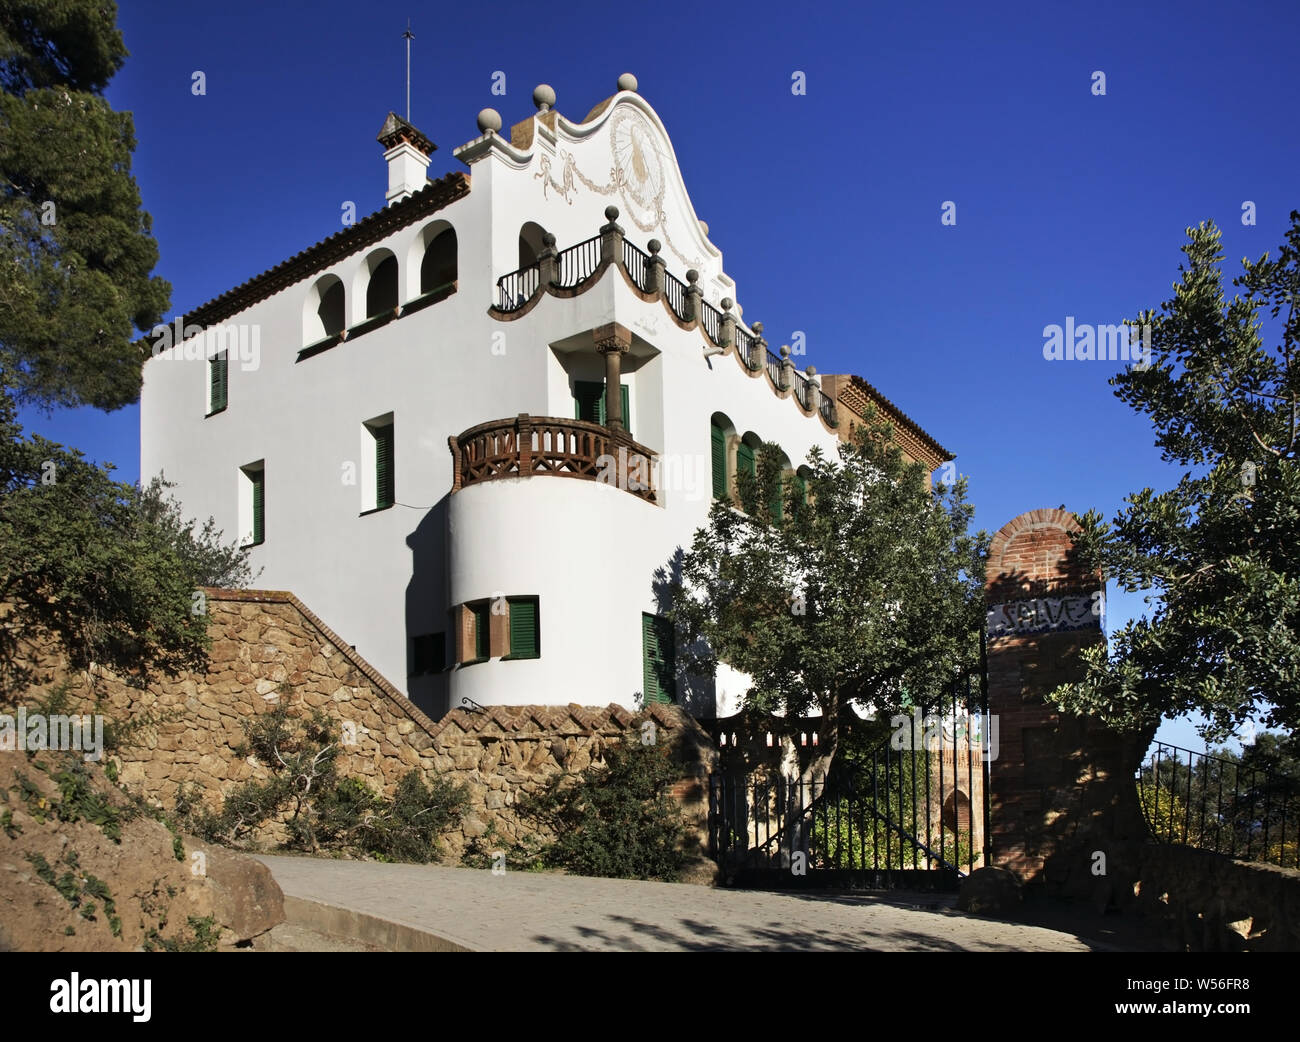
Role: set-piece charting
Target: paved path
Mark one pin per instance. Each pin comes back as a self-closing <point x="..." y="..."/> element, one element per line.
<point x="526" y="911"/>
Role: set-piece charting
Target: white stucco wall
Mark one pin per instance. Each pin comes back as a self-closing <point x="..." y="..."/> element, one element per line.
<point x="587" y="551"/>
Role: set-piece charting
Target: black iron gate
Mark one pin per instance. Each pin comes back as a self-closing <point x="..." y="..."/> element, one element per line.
<point x="908" y="811"/>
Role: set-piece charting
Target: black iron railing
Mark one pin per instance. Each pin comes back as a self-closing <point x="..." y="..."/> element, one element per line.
<point x="577" y="263"/>
<point x="911" y="812"/>
<point x="635" y="261"/>
<point x="745" y="347"/>
<point x="1221" y="804"/>
<point x="516" y="289"/>
<point x="774" y="368"/>
<point x="711" y="320"/>
<point x="675" y="292"/>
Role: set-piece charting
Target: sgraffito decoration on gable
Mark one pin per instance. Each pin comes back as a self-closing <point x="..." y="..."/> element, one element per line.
<point x="637" y="175"/>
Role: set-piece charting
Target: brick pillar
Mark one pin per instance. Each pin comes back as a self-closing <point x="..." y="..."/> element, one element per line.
<point x="1061" y="787"/>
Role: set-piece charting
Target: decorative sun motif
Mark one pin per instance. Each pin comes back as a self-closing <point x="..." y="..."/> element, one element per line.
<point x="637" y="157"/>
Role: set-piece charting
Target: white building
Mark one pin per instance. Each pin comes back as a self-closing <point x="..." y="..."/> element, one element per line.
<point x="385" y="415"/>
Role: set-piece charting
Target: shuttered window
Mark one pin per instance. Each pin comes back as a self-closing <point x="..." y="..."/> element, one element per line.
<point x="384" y="486"/>
<point x="776" y="508"/>
<point x="744" y="462"/>
<point x="589" y="402"/>
<point x="658" y="667"/>
<point x="719" y="451"/>
<point x="524" y="634"/>
<point x="259" y="506"/>
<point x="800" y="488"/>
<point x="218" y="370"/>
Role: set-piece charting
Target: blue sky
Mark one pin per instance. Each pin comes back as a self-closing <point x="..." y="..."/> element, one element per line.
<point x="826" y="205"/>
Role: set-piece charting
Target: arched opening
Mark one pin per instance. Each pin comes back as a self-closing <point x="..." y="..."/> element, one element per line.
<point x="381" y="290"/>
<point x="776" y="505"/>
<point x="801" y="480"/>
<point x="956" y="812"/>
<point x="530" y="243"/>
<point x="324" y="313"/>
<point x="438" y="266"/>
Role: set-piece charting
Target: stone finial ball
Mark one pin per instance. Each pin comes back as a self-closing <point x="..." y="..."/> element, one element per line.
<point x="726" y="303"/>
<point x="548" y="239"/>
<point x="611" y="213"/>
<point x="654" y="246"/>
<point x="757" y="327"/>
<point x="489" y="119"/>
<point x="692" y="276"/>
<point x="785" y="350"/>
<point x="811" y="370"/>
<point x="543" y="96"/>
<point x="627" y="82"/>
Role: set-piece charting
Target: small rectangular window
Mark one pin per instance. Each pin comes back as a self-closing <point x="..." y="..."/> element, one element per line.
<point x="252" y="504"/>
<point x="524" y="629"/>
<point x="658" y="659"/>
<point x="589" y="403"/>
<point x="379" y="465"/>
<point x="428" y="653"/>
<point x="218" y="378"/>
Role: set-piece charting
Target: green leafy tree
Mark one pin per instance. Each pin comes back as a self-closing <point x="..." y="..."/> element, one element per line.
<point x="108" y="569"/>
<point x="866" y="589"/>
<point x="1222" y="548"/>
<point x="76" y="250"/>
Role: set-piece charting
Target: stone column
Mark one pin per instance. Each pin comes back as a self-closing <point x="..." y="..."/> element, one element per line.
<point x="613" y="341"/>
<point x="1061" y="787"/>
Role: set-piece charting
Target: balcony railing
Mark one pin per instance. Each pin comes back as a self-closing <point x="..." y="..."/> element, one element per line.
<point x="576" y="264"/>
<point x="571" y="267"/>
<point x="675" y="292"/>
<point x="635" y="261"/>
<point x="774" y="368"/>
<point x="524" y="446"/>
<point x="516" y="289"/>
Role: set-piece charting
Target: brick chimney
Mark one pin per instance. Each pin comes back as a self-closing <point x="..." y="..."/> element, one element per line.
<point x="407" y="152"/>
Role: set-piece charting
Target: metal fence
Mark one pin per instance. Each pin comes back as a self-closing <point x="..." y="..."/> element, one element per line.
<point x="910" y="811"/>
<point x="1220" y="804"/>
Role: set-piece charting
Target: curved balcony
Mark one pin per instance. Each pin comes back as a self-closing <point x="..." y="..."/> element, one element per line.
<point x="525" y="446"/>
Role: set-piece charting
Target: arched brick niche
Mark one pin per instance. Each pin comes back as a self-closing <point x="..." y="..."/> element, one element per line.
<point x="1060" y="787"/>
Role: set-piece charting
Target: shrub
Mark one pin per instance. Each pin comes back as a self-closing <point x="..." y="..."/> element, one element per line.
<point x="617" y="820"/>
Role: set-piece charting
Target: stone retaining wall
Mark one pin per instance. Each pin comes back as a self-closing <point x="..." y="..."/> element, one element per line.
<point x="266" y="645"/>
<point x="1209" y="902"/>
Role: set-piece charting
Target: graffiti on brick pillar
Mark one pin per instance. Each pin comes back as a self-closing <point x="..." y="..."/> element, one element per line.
<point x="1043" y="614"/>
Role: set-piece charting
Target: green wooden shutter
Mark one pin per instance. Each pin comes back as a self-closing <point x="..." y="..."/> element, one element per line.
<point x="801" y="488"/>
<point x="218" y="368"/>
<point x="744" y="459"/>
<point x="719" y="441"/>
<point x="259" y="505"/>
<point x="589" y="401"/>
<point x="384" y="492"/>
<point x="658" y="668"/>
<point x="523" y="628"/>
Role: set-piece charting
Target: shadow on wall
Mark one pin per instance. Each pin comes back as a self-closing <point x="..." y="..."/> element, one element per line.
<point x="427" y="613"/>
<point x="695" y="694"/>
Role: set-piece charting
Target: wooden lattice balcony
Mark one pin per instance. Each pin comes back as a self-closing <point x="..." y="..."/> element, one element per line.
<point x="524" y="446"/>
